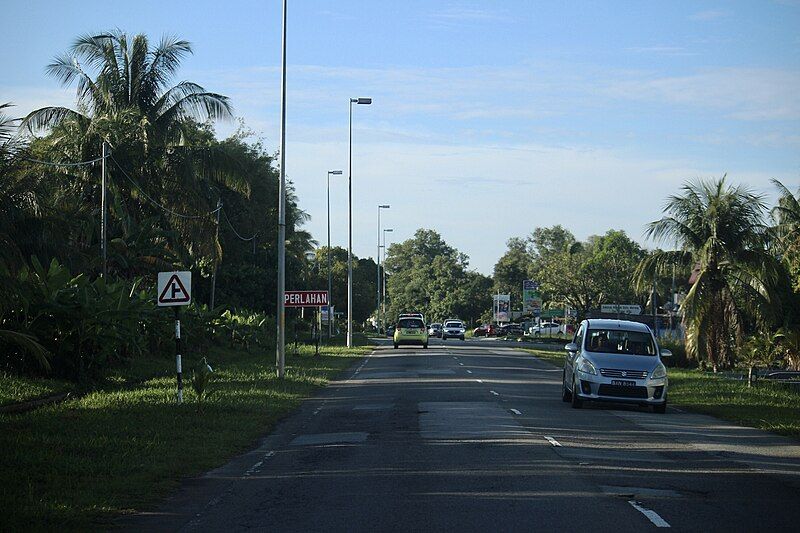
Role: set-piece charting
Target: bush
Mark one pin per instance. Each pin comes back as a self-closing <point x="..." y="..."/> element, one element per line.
<point x="73" y="327"/>
<point x="84" y="325"/>
<point x="678" y="348"/>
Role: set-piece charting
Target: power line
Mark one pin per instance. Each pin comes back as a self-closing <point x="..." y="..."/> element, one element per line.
<point x="151" y="200"/>
<point x="234" y="229"/>
<point x="52" y="164"/>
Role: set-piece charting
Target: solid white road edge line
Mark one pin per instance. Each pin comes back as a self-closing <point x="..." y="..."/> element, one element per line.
<point x="651" y="515"/>
<point x="553" y="441"/>
<point x="515" y="411"/>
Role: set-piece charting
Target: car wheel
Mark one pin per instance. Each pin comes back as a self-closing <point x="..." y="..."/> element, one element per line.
<point x="462" y="337"/>
<point x="577" y="403"/>
<point x="566" y="395"/>
<point x="425" y="346"/>
<point x="395" y="346"/>
<point x="660" y="408"/>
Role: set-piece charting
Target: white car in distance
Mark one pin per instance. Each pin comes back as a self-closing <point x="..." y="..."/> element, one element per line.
<point x="545" y="329"/>
<point x="453" y="329"/>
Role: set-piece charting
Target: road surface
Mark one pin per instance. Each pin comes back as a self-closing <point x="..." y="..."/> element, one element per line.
<point x="473" y="436"/>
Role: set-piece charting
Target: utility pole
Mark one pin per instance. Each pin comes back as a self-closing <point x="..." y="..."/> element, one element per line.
<point x="216" y="263"/>
<point x="280" y="356"/>
<point x="103" y="215"/>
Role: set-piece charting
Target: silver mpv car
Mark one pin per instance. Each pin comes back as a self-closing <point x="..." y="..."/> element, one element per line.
<point x="615" y="361"/>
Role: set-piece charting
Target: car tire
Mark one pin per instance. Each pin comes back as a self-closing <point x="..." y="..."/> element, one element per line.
<point x="462" y="337"/>
<point x="660" y="408"/>
<point x="395" y="346"/>
<point x="425" y="346"/>
<point x="566" y="395"/>
<point x="577" y="403"/>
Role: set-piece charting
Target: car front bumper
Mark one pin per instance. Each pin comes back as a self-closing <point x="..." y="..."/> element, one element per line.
<point x="602" y="389"/>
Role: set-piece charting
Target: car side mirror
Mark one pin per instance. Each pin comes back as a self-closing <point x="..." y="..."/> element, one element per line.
<point x="571" y="347"/>
<point x="666" y="353"/>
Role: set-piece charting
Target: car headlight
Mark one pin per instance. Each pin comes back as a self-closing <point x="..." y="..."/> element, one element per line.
<point x="587" y="367"/>
<point x="660" y="371"/>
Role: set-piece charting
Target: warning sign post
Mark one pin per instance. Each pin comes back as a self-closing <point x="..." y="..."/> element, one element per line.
<point x="175" y="290"/>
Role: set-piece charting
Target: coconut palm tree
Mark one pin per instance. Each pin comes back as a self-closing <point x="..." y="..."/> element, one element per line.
<point x="719" y="229"/>
<point x="161" y="156"/>
<point x="787" y="223"/>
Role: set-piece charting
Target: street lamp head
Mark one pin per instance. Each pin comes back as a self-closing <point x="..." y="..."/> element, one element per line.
<point x="388" y="229"/>
<point x="363" y="101"/>
<point x="384" y="206"/>
<point x="335" y="172"/>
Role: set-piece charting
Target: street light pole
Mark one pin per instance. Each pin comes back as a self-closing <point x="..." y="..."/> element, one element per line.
<point x="103" y="216"/>
<point x="280" y="356"/>
<point x="362" y="101"/>
<point x="330" y="282"/>
<point x="378" y="258"/>
<point x="383" y="309"/>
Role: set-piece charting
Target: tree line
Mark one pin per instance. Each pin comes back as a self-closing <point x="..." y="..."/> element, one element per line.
<point x="178" y="198"/>
<point x="736" y="259"/>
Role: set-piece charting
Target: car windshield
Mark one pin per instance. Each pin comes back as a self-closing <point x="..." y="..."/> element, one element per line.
<point x="452" y="324"/>
<point x="410" y="323"/>
<point x="620" y="341"/>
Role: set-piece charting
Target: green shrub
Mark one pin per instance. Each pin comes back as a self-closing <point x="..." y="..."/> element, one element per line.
<point x="678" y="348"/>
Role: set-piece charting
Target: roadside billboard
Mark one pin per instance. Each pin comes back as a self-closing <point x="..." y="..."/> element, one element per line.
<point x="502" y="307"/>
<point x="531" y="299"/>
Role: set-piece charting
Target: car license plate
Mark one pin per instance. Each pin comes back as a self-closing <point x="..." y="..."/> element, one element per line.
<point x="623" y="383"/>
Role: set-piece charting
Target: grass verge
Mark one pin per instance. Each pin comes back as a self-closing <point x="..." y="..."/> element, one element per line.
<point x="79" y="464"/>
<point x="15" y="389"/>
<point x="768" y="406"/>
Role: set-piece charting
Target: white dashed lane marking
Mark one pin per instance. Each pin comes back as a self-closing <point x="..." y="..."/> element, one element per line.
<point x="469" y="371"/>
<point x="515" y="411"/>
<point x="495" y="393"/>
<point x="553" y="441"/>
<point x="651" y="515"/>
<point x="253" y="469"/>
<point x="479" y="380"/>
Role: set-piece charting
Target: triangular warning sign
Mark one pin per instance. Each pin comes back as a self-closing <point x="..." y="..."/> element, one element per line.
<point x="174" y="292"/>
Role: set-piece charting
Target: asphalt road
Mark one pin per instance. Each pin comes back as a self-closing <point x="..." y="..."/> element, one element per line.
<point x="473" y="436"/>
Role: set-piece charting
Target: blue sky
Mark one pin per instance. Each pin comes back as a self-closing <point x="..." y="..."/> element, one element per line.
<point x="489" y="118"/>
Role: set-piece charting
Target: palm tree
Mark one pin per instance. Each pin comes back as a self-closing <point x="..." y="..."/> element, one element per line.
<point x="787" y="223"/>
<point x="160" y="153"/>
<point x="720" y="230"/>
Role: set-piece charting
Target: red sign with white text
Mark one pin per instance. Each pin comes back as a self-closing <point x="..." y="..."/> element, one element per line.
<point x="305" y="298"/>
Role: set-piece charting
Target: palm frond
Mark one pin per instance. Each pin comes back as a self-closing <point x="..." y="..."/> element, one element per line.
<point x="49" y="117"/>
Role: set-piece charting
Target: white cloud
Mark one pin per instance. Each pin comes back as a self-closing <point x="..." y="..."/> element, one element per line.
<point x="711" y="14"/>
<point x="478" y="196"/>
<point x="741" y="93"/>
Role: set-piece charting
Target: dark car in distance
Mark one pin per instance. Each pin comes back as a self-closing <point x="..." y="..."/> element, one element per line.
<point x="510" y="330"/>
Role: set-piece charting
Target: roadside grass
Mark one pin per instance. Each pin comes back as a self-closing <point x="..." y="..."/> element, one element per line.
<point x="79" y="464"/>
<point x="15" y="389"/>
<point x="767" y="406"/>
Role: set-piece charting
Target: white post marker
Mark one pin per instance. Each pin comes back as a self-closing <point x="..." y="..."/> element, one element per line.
<point x="175" y="290"/>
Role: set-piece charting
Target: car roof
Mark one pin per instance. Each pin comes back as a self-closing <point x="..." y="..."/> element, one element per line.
<point x="605" y="323"/>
